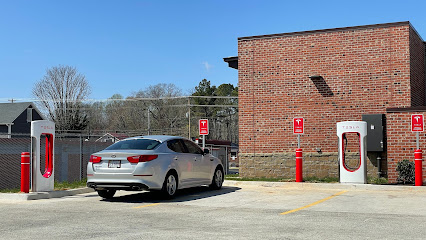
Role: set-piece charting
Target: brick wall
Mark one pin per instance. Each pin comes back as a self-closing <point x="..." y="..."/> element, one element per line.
<point x="283" y="165"/>
<point x="364" y="70"/>
<point x="417" y="69"/>
<point x="401" y="141"/>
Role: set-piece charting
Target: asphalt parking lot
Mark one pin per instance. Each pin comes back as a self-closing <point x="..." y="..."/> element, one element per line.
<point x="240" y="210"/>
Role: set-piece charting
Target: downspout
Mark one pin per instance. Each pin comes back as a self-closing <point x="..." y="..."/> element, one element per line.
<point x="9" y="130"/>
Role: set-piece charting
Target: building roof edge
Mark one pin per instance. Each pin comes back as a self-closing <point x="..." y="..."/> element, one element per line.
<point x="382" y="25"/>
<point x="414" y="29"/>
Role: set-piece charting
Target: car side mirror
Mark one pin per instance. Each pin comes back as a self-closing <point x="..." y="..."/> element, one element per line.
<point x="206" y="151"/>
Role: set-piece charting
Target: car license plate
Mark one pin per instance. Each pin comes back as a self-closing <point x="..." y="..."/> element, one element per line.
<point x="114" y="164"/>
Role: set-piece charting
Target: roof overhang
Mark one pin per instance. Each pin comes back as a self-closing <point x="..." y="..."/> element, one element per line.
<point x="232" y="62"/>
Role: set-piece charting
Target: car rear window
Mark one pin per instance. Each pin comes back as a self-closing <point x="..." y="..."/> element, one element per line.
<point x="136" y="144"/>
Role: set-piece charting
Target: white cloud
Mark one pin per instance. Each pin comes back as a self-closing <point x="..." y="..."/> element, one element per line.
<point x="207" y="66"/>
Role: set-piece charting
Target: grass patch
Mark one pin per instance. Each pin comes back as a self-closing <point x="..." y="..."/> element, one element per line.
<point x="70" y="185"/>
<point x="321" y="180"/>
<point x="378" y="181"/>
<point x="236" y="177"/>
<point x="11" y="190"/>
<point x="263" y="179"/>
<point x="260" y="179"/>
<point x="232" y="176"/>
<point x="57" y="187"/>
<point x="370" y="180"/>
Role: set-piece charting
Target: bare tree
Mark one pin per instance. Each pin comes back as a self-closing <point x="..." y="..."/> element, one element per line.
<point x="120" y="114"/>
<point x="227" y="117"/>
<point x="162" y="106"/>
<point x="61" y="92"/>
<point x="96" y="115"/>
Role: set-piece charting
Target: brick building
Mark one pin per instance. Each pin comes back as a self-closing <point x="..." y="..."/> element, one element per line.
<point x="327" y="76"/>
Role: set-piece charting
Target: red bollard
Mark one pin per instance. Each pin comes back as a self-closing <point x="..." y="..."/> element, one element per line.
<point x="25" y="172"/>
<point x="299" y="167"/>
<point x="418" y="167"/>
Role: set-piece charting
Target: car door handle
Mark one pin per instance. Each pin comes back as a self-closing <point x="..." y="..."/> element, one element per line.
<point x="211" y="159"/>
<point x="175" y="158"/>
<point x="195" y="159"/>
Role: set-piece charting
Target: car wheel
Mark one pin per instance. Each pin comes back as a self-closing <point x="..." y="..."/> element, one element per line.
<point x="107" y="194"/>
<point x="170" y="185"/>
<point x="217" y="179"/>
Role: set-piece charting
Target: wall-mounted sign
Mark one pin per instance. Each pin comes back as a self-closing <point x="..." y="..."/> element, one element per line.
<point x="417" y="123"/>
<point x="298" y="125"/>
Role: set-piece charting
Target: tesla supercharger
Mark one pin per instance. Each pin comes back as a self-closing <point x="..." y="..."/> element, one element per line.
<point x="42" y="132"/>
<point x="358" y="174"/>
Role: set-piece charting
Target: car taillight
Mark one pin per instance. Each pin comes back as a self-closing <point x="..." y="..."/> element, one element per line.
<point x="133" y="159"/>
<point x="95" y="159"/>
<point x="147" y="158"/>
<point x="141" y="158"/>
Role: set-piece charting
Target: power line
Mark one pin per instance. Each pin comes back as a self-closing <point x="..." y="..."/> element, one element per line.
<point x="117" y="100"/>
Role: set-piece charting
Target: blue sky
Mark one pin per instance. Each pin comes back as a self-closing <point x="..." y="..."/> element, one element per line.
<point x="124" y="46"/>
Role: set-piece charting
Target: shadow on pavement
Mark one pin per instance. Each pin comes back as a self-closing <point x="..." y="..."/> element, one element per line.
<point x="183" y="195"/>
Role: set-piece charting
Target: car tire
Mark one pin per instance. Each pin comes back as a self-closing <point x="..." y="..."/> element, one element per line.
<point x="217" y="180"/>
<point x="106" y="194"/>
<point x="170" y="185"/>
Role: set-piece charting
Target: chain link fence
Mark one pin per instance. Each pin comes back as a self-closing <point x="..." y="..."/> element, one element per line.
<point x="108" y="121"/>
<point x="10" y="160"/>
<point x="159" y="116"/>
<point x="72" y="153"/>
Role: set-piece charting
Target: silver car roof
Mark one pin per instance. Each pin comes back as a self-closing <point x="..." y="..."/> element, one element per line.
<point x="161" y="138"/>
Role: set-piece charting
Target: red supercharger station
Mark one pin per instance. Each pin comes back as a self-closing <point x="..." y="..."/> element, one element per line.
<point x="417" y="126"/>
<point x="298" y="128"/>
<point x="25" y="172"/>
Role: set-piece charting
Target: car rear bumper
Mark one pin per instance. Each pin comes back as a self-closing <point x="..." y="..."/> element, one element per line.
<point x="117" y="186"/>
<point x="127" y="182"/>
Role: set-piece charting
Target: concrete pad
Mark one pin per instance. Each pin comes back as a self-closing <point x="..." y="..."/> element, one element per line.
<point x="330" y="186"/>
<point x="44" y="195"/>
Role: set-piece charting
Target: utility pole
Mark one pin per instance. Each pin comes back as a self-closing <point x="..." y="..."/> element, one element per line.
<point x="149" y="123"/>
<point x="189" y="118"/>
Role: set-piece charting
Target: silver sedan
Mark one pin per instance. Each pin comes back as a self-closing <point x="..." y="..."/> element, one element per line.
<point x="164" y="163"/>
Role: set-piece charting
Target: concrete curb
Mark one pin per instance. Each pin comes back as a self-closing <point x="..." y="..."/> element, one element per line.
<point x="44" y="195"/>
<point x="331" y="186"/>
<point x="302" y="185"/>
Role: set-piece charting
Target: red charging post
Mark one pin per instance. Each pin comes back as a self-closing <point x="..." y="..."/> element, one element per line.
<point x="25" y="172"/>
<point x="298" y="128"/>
<point x="418" y="166"/>
<point x="299" y="166"/>
<point x="417" y="126"/>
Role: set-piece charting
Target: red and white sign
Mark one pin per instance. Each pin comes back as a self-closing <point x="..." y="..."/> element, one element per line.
<point x="204" y="126"/>
<point x="298" y="125"/>
<point x="417" y="123"/>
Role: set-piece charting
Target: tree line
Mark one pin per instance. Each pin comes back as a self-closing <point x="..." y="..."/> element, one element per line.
<point x="159" y="109"/>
